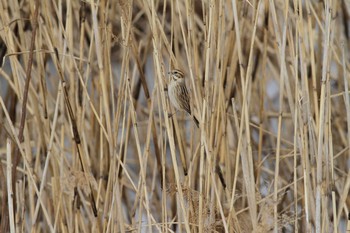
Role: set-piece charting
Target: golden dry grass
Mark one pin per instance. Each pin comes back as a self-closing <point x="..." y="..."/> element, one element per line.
<point x="86" y="141"/>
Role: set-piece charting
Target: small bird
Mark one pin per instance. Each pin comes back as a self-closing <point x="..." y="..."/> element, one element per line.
<point x="178" y="93"/>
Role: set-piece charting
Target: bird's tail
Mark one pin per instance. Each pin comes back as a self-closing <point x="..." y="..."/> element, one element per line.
<point x="196" y="121"/>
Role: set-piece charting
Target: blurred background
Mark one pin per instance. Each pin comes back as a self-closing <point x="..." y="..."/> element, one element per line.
<point x="90" y="143"/>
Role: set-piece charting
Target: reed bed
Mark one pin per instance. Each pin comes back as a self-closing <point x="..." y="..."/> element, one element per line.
<point x="90" y="142"/>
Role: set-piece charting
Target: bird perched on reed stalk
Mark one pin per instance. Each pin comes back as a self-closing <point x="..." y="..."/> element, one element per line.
<point x="178" y="93"/>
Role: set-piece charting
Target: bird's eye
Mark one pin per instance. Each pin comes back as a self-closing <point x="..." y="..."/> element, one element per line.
<point x="176" y="74"/>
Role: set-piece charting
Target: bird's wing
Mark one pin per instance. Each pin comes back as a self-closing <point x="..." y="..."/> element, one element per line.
<point x="185" y="99"/>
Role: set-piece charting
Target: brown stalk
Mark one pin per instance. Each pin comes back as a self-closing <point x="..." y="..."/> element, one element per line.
<point x="76" y="135"/>
<point x="25" y="100"/>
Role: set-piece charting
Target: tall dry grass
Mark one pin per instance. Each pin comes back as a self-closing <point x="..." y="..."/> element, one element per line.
<point x="87" y="144"/>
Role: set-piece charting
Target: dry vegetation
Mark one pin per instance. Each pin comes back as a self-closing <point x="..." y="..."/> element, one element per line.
<point x="88" y="144"/>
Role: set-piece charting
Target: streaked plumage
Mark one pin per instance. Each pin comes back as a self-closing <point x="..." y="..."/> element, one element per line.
<point x="178" y="93"/>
